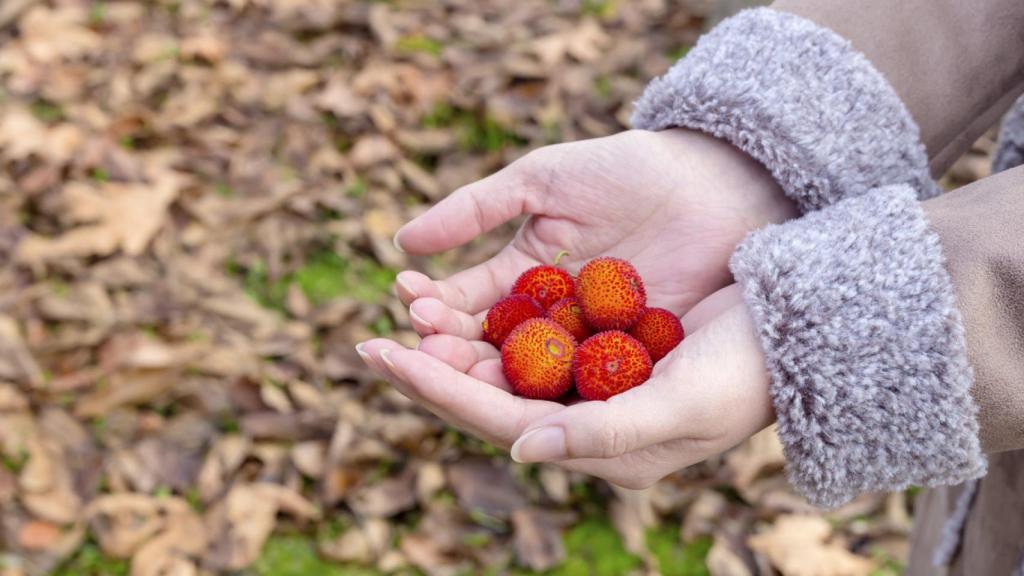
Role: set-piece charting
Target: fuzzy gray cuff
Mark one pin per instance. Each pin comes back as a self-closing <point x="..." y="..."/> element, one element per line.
<point x="799" y="99"/>
<point x="1010" y="150"/>
<point x="865" y="347"/>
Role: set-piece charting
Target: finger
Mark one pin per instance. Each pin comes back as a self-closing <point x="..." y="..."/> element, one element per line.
<point x="640" y="417"/>
<point x="456" y="352"/>
<point x="711" y="307"/>
<point x="713" y="386"/>
<point x="478" y="407"/>
<point x="469" y="212"/>
<point x="490" y="371"/>
<point x="432" y="316"/>
<point x="473" y="290"/>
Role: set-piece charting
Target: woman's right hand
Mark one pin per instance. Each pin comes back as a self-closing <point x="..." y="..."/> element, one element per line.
<point x="673" y="203"/>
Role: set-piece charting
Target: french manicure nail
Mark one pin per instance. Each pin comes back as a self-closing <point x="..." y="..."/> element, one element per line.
<point x="405" y="287"/>
<point x="385" y="356"/>
<point x="540" y="445"/>
<point x="362" y="353"/>
<point x="419" y="319"/>
<point x="394" y="240"/>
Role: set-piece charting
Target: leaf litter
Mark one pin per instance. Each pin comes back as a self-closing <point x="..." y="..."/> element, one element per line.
<point x="197" y="199"/>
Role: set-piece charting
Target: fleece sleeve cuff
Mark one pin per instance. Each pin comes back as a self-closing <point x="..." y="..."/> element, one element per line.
<point x="799" y="99"/>
<point x="1010" y="149"/>
<point x="865" y="347"/>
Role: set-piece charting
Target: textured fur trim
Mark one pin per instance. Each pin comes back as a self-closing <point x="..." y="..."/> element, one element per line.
<point x="1010" y="150"/>
<point x="865" y="347"/>
<point x="799" y="99"/>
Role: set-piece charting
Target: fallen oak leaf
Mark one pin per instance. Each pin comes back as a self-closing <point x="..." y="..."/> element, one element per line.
<point x="122" y="216"/>
<point x="798" y="545"/>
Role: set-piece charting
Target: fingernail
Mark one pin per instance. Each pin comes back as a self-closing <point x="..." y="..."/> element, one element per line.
<point x="394" y="240"/>
<point x="385" y="355"/>
<point x="417" y="318"/>
<point x="362" y="353"/>
<point x="541" y="445"/>
<point x="405" y="287"/>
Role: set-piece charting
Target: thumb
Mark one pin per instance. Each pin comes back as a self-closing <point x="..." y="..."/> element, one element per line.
<point x="638" y="418"/>
<point x="472" y="210"/>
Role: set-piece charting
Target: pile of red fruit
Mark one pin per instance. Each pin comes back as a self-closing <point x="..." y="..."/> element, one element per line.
<point x="594" y="330"/>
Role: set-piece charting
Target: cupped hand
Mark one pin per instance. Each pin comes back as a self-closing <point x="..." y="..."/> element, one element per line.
<point x="706" y="396"/>
<point x="673" y="203"/>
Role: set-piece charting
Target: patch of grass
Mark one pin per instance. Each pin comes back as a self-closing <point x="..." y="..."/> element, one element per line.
<point x="47" y="111"/>
<point x="419" y="44"/>
<point x="16" y="462"/>
<point x="324" y="276"/>
<point x="357" y="189"/>
<point x="98" y="13"/>
<point x="599" y="8"/>
<point x="89" y="560"/>
<point x="295" y="555"/>
<point x="594" y="548"/>
<point x="223" y="190"/>
<point x="382" y="326"/>
<point x="676" y="558"/>
<point x="477" y="133"/>
<point x="100" y="175"/>
<point x="680" y="52"/>
<point x="888" y="565"/>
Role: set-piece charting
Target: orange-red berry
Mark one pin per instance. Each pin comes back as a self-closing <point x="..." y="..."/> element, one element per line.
<point x="608" y="363"/>
<point x="611" y="294"/>
<point x="545" y="284"/>
<point x="537" y="359"/>
<point x="567" y="313"/>
<point x="506" y="314"/>
<point x="659" y="331"/>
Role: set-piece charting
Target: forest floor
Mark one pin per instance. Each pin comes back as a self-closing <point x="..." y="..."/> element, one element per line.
<point x="197" y="200"/>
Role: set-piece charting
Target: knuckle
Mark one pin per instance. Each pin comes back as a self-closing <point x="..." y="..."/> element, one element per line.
<point x="614" y="440"/>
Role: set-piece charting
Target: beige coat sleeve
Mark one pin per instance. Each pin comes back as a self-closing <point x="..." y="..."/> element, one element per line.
<point x="956" y="64"/>
<point x="981" y="228"/>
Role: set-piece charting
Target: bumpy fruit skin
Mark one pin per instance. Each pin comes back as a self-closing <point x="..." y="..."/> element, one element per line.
<point x="568" y="314"/>
<point x="608" y="363"/>
<point x="506" y="314"/>
<point x="545" y="284"/>
<point x="611" y="294"/>
<point x="537" y="359"/>
<point x="659" y="331"/>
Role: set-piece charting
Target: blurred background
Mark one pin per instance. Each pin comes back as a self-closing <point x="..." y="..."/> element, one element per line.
<point x="197" y="199"/>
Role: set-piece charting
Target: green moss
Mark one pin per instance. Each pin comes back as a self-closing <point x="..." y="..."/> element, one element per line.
<point x="324" y="276"/>
<point x="477" y="133"/>
<point x="419" y="44"/>
<point x="676" y="558"/>
<point x="680" y="52"/>
<point x="16" y="462"/>
<point x="89" y="560"/>
<point x="295" y="555"/>
<point x="47" y="111"/>
<point x="603" y="86"/>
<point x="594" y="548"/>
<point x="98" y="13"/>
<point x="357" y="189"/>
<point x="100" y="175"/>
<point x="887" y="564"/>
<point x="599" y="8"/>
